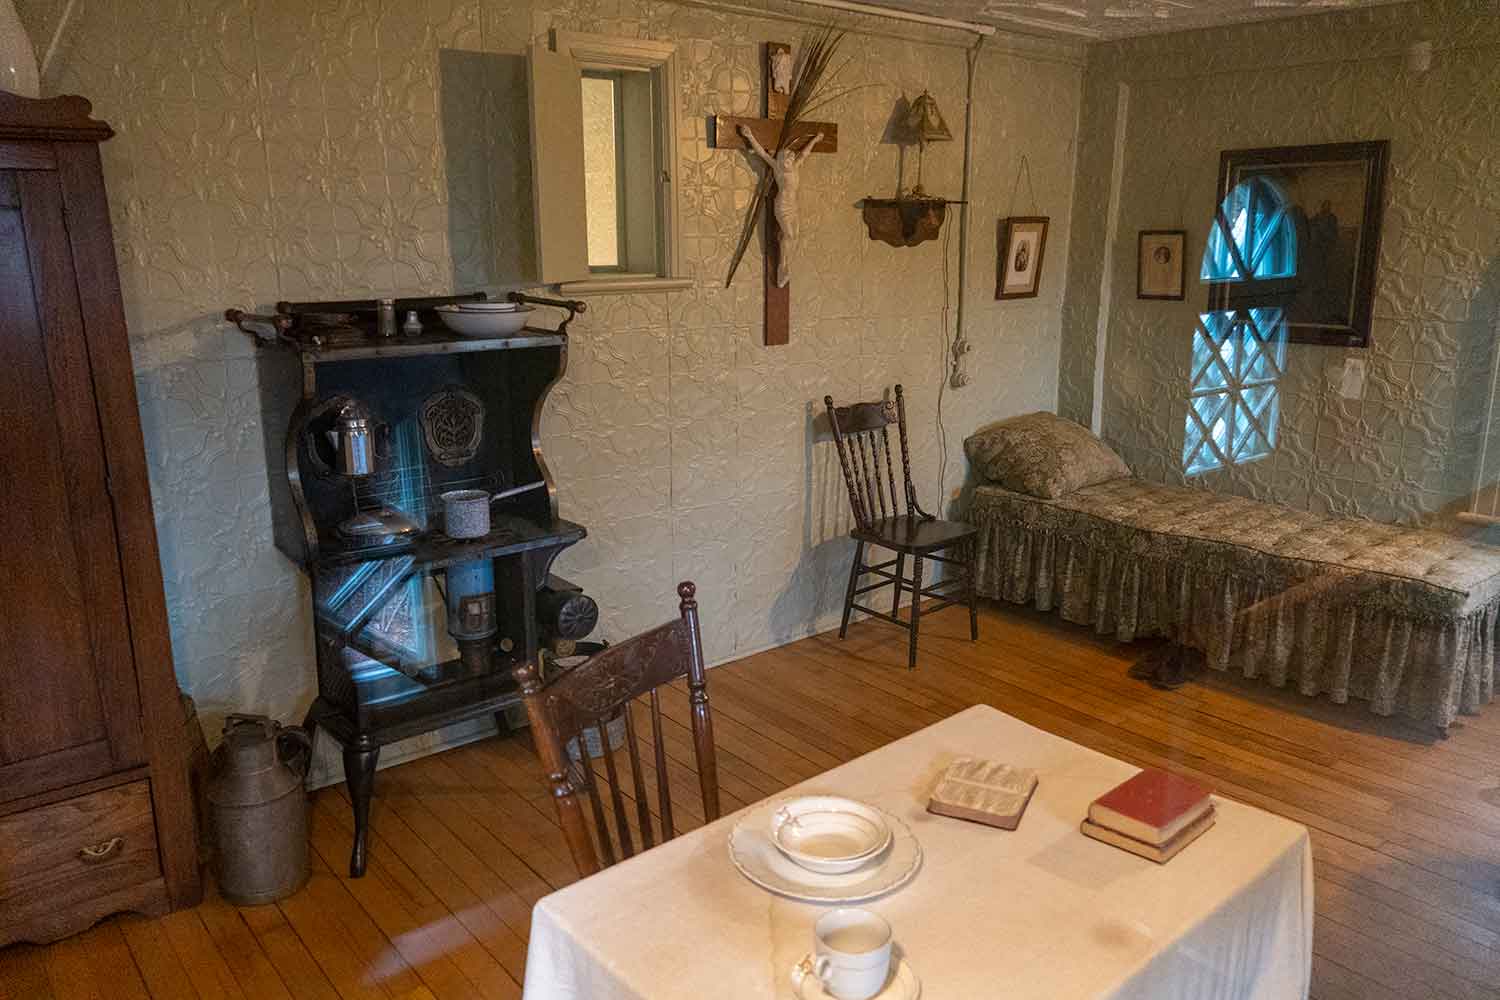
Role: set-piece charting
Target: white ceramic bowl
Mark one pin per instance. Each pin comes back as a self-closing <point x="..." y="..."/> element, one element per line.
<point x="468" y="323"/>
<point x="487" y="307"/>
<point x="828" y="834"/>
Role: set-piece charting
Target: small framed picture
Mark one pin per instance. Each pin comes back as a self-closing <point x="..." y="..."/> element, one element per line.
<point x="1022" y="241"/>
<point x="1161" y="264"/>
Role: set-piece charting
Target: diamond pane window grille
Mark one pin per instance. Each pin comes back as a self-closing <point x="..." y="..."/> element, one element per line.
<point x="1234" y="401"/>
<point x="1234" y="404"/>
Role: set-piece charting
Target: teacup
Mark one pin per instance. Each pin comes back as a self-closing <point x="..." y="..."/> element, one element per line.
<point x="852" y="954"/>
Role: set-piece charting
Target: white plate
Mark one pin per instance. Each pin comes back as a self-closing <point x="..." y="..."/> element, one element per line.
<point x="903" y="984"/>
<point x="760" y="861"/>
<point x="829" y="834"/>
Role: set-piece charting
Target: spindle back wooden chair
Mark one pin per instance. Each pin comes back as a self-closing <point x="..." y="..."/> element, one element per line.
<point x="587" y="699"/>
<point x="861" y="434"/>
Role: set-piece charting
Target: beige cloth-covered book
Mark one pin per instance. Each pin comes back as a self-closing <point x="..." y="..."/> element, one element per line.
<point x="983" y="791"/>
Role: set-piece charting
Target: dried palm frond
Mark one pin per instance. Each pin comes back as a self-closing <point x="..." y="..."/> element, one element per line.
<point x="815" y="71"/>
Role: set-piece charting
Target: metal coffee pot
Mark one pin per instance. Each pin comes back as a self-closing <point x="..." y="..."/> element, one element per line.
<point x="258" y="802"/>
<point x="354" y="438"/>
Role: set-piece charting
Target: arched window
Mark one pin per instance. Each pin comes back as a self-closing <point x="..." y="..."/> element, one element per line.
<point x="1253" y="237"/>
<point x="1239" y="354"/>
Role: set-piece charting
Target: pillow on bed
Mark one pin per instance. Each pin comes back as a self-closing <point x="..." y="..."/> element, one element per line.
<point x="1043" y="455"/>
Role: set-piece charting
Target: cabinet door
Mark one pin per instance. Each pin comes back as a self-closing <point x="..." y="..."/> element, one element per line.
<point x="69" y="708"/>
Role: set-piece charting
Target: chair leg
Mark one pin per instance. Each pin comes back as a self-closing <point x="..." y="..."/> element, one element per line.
<point x="916" y="608"/>
<point x="854" y="571"/>
<point x="973" y="593"/>
<point x="896" y="600"/>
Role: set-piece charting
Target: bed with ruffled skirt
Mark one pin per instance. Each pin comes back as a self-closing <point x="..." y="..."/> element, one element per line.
<point x="1403" y="618"/>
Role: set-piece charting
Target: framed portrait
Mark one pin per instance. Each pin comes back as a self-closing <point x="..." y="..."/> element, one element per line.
<point x="1298" y="228"/>
<point x="1161" y="264"/>
<point x="1022" y="242"/>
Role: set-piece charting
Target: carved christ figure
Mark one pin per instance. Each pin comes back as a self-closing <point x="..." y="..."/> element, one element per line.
<point x="784" y="168"/>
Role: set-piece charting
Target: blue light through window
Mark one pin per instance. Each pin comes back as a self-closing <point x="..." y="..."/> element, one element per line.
<point x="1253" y="237"/>
<point x="1234" y="401"/>
<point x="1234" y="405"/>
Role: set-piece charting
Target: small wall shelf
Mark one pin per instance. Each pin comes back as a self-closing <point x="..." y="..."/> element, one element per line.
<point x="905" y="222"/>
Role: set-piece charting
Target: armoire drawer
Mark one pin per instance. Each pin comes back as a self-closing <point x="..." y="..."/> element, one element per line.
<point x="57" y="854"/>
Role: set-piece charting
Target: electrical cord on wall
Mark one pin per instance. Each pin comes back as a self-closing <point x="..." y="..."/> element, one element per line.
<point x="957" y="347"/>
<point x="942" y="430"/>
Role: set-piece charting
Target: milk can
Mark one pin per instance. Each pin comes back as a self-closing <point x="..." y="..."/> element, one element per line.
<point x="259" y="807"/>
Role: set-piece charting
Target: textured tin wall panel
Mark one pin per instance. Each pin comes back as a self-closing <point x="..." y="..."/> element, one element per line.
<point x="275" y="149"/>
<point x="1406" y="449"/>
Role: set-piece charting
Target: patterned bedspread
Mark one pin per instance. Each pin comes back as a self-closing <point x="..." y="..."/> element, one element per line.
<point x="1404" y="617"/>
<point x="1454" y="575"/>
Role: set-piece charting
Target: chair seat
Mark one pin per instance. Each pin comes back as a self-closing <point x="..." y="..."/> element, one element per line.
<point x="912" y="534"/>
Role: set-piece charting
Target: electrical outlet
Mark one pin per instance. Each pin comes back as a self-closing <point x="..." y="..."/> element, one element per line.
<point x="1352" y="381"/>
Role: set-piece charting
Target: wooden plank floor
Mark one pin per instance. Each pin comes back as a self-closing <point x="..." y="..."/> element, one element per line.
<point x="1406" y="831"/>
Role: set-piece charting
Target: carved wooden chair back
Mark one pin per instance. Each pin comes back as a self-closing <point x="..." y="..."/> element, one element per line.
<point x="574" y="707"/>
<point x="861" y="433"/>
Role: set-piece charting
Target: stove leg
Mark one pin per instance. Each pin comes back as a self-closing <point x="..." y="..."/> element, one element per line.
<point x="360" y="759"/>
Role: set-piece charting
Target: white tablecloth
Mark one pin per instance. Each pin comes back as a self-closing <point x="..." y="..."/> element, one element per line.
<point x="1042" y="912"/>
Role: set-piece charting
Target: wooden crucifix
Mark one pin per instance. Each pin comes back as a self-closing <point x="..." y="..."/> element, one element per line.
<point x="780" y="155"/>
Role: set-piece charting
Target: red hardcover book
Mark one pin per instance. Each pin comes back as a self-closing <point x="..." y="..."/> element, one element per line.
<point x="1152" y="807"/>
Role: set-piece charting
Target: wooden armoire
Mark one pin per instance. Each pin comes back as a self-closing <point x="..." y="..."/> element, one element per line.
<point x="96" y="815"/>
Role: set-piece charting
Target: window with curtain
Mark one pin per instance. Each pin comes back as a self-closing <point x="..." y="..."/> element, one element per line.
<point x="1239" y="353"/>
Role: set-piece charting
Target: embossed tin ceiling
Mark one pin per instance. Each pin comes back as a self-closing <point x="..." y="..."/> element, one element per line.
<point x="1106" y="19"/>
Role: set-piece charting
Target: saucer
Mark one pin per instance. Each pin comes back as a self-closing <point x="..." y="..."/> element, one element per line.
<point x="903" y="984"/>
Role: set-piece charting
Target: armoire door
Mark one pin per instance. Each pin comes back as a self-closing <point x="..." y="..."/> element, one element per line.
<point x="69" y="707"/>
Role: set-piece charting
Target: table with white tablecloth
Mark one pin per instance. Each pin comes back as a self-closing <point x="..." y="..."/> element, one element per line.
<point x="1040" y="912"/>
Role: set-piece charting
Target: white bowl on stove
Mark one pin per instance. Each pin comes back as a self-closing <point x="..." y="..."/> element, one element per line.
<point x="487" y="307"/>
<point x="483" y="323"/>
